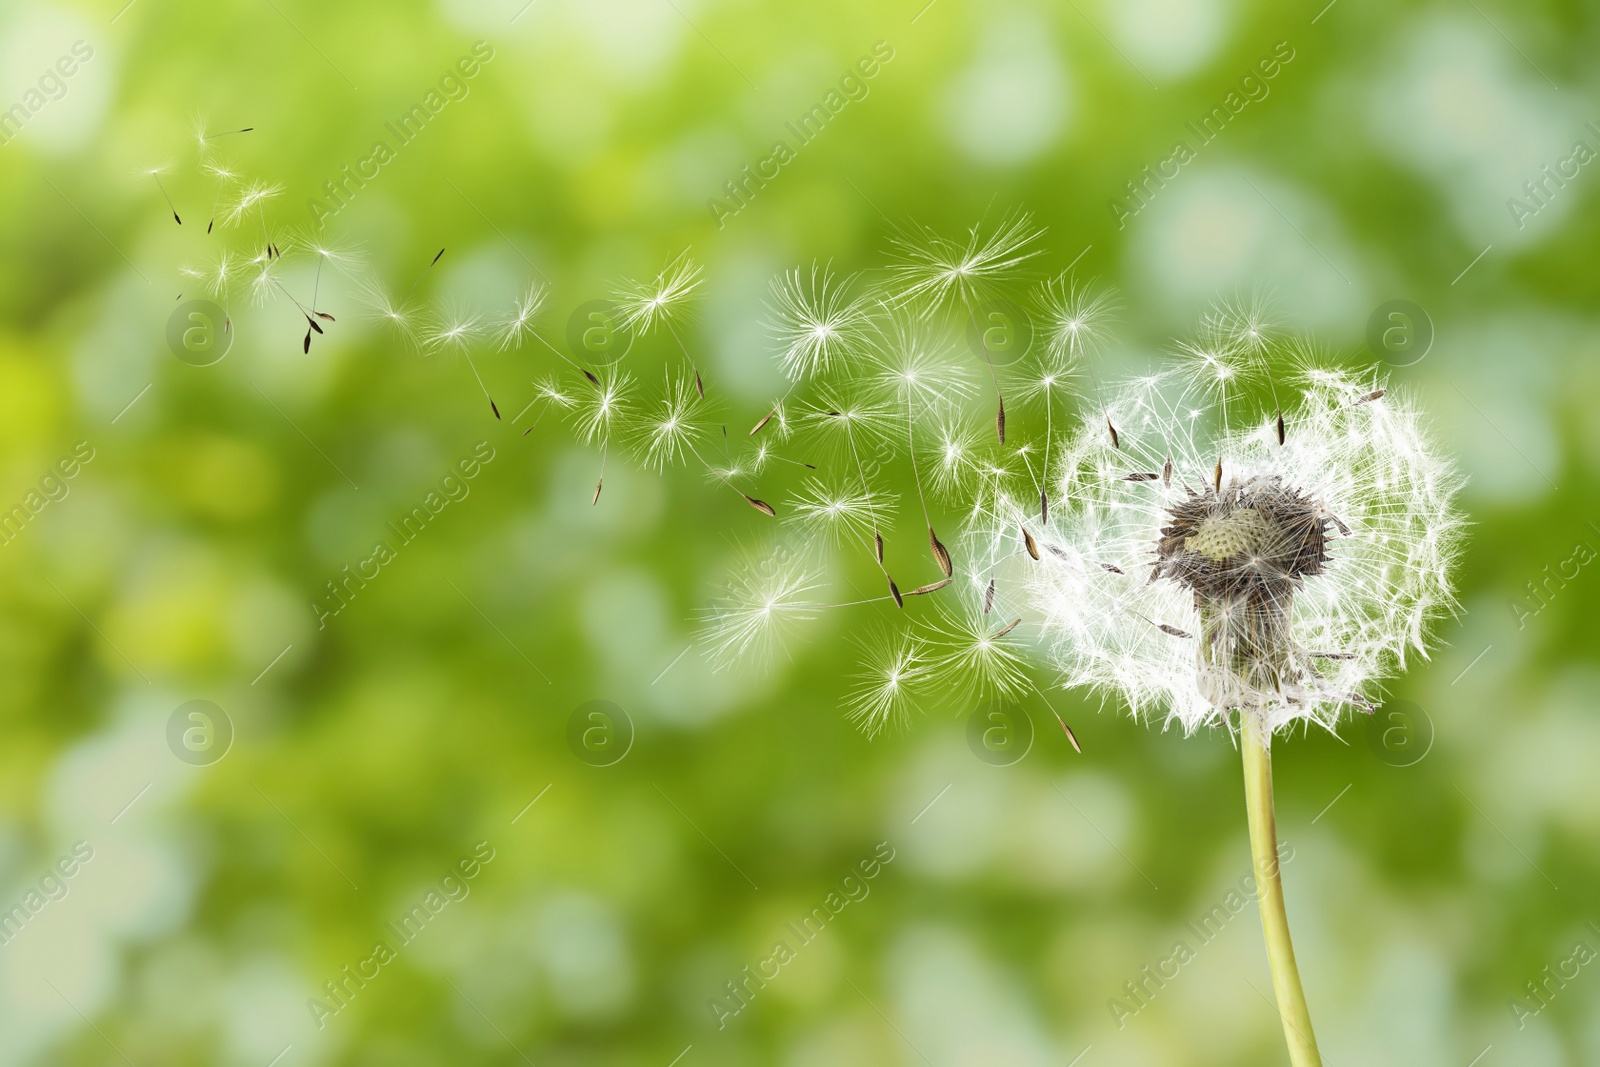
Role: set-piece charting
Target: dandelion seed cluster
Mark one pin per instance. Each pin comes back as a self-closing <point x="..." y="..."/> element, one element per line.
<point x="1209" y="563"/>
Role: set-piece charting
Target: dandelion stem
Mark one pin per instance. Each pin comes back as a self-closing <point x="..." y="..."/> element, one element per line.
<point x="1256" y="743"/>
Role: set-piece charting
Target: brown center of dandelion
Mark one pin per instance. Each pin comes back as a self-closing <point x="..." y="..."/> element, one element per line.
<point x="1243" y="551"/>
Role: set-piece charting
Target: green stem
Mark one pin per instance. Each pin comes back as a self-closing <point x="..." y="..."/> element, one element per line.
<point x="1256" y="743"/>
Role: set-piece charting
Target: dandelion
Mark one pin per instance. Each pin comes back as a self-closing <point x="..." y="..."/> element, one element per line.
<point x="1212" y="572"/>
<point x="894" y="670"/>
<point x="814" y="320"/>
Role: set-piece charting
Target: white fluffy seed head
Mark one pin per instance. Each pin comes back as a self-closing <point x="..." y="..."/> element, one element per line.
<point x="1376" y="484"/>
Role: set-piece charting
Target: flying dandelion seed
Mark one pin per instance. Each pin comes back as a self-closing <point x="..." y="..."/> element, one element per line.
<point x="1242" y="324"/>
<point x="225" y="178"/>
<point x="764" y="602"/>
<point x="669" y="434"/>
<point x="894" y="671"/>
<point x="252" y="201"/>
<point x="836" y="514"/>
<point x="970" y="654"/>
<point x="914" y="374"/>
<point x="930" y="268"/>
<point x="517" y="326"/>
<point x="646" y="305"/>
<point x="1075" y="318"/>
<point x="404" y="319"/>
<point x="455" y="331"/>
<point x="954" y="463"/>
<point x="155" y="172"/>
<point x="817" y="324"/>
<point x="649" y="304"/>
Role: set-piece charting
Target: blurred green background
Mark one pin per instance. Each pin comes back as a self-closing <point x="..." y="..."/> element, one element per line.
<point x="1440" y="863"/>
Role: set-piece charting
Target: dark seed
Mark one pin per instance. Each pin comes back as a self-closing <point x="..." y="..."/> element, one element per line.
<point x="597" y="485"/>
<point x="1008" y="629"/>
<point x="1072" y="737"/>
<point x="877" y="545"/>
<point x="1173" y="630"/>
<point x="1027" y="540"/>
<point x="1166" y="474"/>
<point x="1140" y="476"/>
<point x="1116" y="442"/>
<point x="894" y="591"/>
<point x="940" y="554"/>
<point x="1376" y="395"/>
<point x="764" y="420"/>
<point x="760" y="505"/>
<point x="591" y="377"/>
<point x="930" y="588"/>
<point x="988" y="597"/>
<point x="1113" y="568"/>
<point x="1044" y="506"/>
<point x="1000" y="422"/>
<point x="1280" y="427"/>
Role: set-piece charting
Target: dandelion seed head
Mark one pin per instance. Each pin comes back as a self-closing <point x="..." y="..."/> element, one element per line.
<point x="1307" y="577"/>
